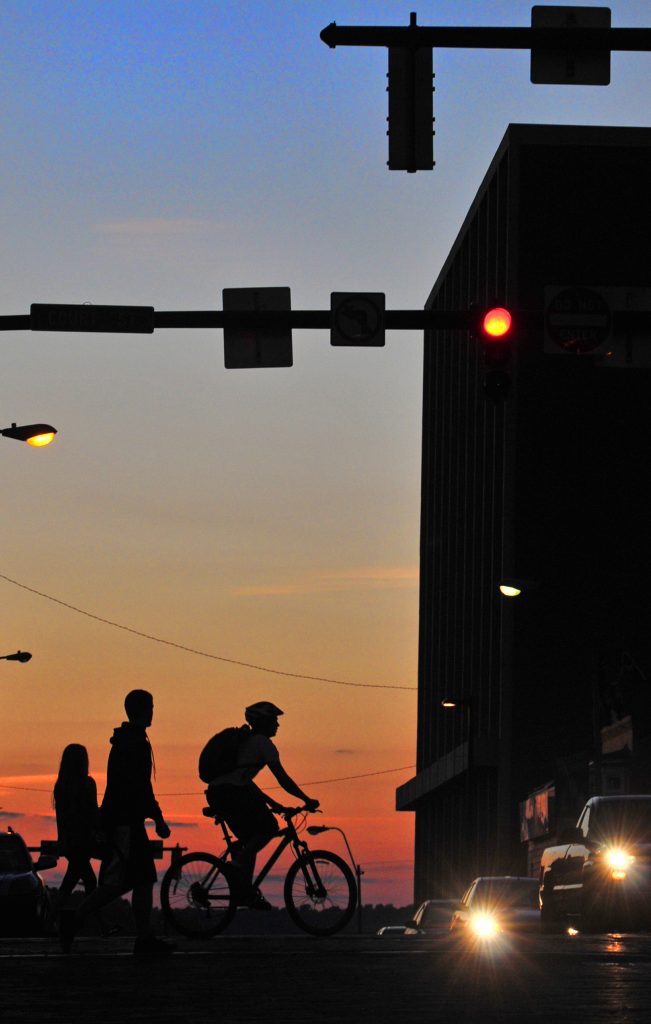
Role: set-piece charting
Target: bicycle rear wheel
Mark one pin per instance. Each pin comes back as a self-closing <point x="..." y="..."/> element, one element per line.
<point x="196" y="896"/>
<point x="320" y="892"/>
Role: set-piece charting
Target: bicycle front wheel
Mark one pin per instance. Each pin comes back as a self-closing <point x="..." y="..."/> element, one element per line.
<point x="196" y="896"/>
<point x="320" y="892"/>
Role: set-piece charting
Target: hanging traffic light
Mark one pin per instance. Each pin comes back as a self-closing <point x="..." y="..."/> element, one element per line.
<point x="411" y="146"/>
<point x="493" y="328"/>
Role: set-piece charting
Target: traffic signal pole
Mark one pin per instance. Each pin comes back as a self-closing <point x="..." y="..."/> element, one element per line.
<point x="314" y="319"/>
<point x="146" y="319"/>
<point x="577" y="37"/>
<point x="568" y="46"/>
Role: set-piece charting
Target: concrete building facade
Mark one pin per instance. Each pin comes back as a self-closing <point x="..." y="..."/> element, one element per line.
<point x="548" y="486"/>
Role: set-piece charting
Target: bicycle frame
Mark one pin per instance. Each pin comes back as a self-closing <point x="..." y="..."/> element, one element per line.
<point x="319" y="890"/>
<point x="287" y="836"/>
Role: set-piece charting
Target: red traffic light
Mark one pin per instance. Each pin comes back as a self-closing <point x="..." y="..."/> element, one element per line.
<point x="493" y="330"/>
<point x="496" y="323"/>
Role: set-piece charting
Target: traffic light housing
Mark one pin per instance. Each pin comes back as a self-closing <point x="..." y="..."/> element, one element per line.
<point x="493" y="328"/>
<point x="411" y="145"/>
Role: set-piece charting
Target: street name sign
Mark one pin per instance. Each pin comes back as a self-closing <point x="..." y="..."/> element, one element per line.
<point x="90" y="318"/>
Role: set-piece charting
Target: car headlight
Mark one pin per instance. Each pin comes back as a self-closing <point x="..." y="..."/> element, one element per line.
<point x="484" y="925"/>
<point x="619" y="861"/>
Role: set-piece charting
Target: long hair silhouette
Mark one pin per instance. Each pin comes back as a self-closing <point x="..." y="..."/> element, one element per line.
<point x="70" y="785"/>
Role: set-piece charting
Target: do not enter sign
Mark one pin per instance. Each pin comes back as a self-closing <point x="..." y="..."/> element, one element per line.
<point x="577" y="320"/>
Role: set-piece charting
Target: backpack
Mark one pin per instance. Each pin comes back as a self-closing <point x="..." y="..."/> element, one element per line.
<point x="220" y="753"/>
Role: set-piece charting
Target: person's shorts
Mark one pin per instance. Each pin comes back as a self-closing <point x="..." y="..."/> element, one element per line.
<point x="244" y="810"/>
<point x="129" y="861"/>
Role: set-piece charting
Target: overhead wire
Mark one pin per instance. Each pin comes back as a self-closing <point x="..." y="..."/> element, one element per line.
<point x="317" y="782"/>
<point x="202" y="654"/>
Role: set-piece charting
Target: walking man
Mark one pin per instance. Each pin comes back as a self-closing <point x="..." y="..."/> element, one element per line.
<point x="128" y="801"/>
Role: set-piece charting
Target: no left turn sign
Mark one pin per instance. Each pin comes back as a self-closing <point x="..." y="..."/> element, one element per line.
<point x="357" y="318"/>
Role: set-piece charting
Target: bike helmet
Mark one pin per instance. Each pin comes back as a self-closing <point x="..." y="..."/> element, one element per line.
<point x="261" y="710"/>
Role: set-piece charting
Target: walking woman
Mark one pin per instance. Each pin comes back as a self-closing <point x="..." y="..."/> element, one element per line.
<point x="75" y="802"/>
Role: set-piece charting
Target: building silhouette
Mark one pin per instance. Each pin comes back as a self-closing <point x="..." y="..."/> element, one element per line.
<point x="548" y="486"/>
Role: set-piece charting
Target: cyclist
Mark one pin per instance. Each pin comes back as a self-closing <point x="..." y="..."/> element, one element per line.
<point x="245" y="808"/>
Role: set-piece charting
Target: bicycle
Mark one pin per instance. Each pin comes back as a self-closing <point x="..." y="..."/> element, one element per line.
<point x="198" y="895"/>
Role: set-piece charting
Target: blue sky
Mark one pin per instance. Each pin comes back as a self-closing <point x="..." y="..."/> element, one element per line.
<point x="155" y="153"/>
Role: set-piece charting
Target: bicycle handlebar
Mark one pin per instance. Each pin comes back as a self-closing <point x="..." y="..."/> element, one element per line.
<point x="291" y="812"/>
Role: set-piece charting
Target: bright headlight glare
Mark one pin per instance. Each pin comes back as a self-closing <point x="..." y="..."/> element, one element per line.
<point x="484" y="925"/>
<point x="618" y="859"/>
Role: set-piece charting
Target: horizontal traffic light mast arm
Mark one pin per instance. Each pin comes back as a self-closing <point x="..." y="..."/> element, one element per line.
<point x="316" y="319"/>
<point x="574" y="38"/>
<point x="144" y="319"/>
<point x="15" y="323"/>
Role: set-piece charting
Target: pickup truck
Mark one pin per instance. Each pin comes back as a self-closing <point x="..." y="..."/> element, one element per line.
<point x="599" y="874"/>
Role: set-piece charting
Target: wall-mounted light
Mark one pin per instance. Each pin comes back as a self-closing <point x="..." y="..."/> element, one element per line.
<point x="511" y="587"/>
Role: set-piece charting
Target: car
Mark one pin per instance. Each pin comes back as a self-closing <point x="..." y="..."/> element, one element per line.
<point x="389" y="930"/>
<point x="24" y="901"/>
<point x="495" y="905"/>
<point x="598" y="875"/>
<point x="432" y="918"/>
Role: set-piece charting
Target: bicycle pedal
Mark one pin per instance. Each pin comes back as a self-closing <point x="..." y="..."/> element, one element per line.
<point x="259" y="902"/>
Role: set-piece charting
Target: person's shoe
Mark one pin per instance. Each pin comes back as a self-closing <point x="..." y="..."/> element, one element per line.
<point x="68" y="925"/>
<point x="241" y="889"/>
<point x="151" y="945"/>
<point x="258" y="902"/>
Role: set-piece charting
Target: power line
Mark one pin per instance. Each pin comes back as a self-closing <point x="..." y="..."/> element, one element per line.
<point x="27" y="789"/>
<point x="202" y="654"/>
<point x="347" y="778"/>
<point x="318" y="782"/>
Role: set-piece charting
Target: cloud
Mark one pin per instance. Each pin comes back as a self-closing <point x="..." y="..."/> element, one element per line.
<point x="37" y="783"/>
<point x="157" y="227"/>
<point x="345" y="751"/>
<point x="376" y="577"/>
<point x="11" y="814"/>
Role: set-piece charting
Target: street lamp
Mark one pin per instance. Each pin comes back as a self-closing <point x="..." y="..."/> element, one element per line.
<point x="36" y="434"/>
<point x="21" y="656"/>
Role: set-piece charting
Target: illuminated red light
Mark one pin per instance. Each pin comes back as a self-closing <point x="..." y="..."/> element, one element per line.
<point x="497" y="322"/>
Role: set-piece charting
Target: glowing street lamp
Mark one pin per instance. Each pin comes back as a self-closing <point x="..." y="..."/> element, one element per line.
<point x="21" y="656"/>
<point x="36" y="434"/>
<point x="513" y="588"/>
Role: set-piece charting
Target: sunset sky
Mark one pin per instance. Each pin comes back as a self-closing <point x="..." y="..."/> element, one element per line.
<point x="155" y="153"/>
